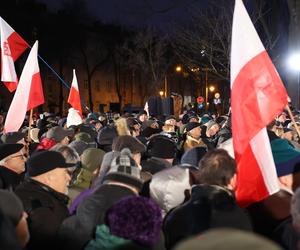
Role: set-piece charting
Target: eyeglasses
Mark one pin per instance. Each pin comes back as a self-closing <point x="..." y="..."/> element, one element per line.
<point x="17" y="156"/>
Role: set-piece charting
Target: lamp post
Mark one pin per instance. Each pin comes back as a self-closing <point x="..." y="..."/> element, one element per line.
<point x="294" y="64"/>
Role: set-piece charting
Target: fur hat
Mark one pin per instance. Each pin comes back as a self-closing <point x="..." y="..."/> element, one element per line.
<point x="136" y="218"/>
<point x="125" y="170"/>
<point x="162" y="147"/>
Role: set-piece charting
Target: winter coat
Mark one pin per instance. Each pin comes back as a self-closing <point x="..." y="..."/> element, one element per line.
<point x="9" y="179"/>
<point x="168" y="187"/>
<point x="210" y="206"/>
<point x="79" y="229"/>
<point x="104" y="240"/>
<point x="46" y="210"/>
<point x="191" y="142"/>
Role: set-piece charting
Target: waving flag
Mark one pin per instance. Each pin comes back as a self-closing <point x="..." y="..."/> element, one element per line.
<point x="29" y="93"/>
<point x="257" y="97"/>
<point x="12" y="46"/>
<point x="74" y="97"/>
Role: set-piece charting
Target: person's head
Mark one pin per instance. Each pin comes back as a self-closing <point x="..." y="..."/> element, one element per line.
<point x="51" y="169"/>
<point x="134" y="145"/>
<point x="70" y="154"/>
<point x="12" y="207"/>
<point x="212" y="128"/>
<point x="218" y="168"/>
<point x="135" y="218"/>
<point x="142" y="116"/>
<point x="124" y="171"/>
<point x="12" y="157"/>
<point x="60" y="135"/>
<point x="170" y="120"/>
<point x="16" y="137"/>
<point x="287" y="134"/>
<point x="134" y="126"/>
<point x="161" y="146"/>
<point x="193" y="129"/>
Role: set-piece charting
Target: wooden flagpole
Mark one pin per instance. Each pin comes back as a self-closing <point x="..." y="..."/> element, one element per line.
<point x="29" y="127"/>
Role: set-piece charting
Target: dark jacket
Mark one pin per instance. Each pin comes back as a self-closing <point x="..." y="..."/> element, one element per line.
<point x="46" y="210"/>
<point x="210" y="142"/>
<point x="78" y="229"/>
<point x="9" y="179"/>
<point x="272" y="218"/>
<point x="210" y="206"/>
<point x="154" y="165"/>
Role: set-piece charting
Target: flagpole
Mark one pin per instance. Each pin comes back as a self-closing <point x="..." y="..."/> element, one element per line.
<point x="29" y="127"/>
<point x="293" y="120"/>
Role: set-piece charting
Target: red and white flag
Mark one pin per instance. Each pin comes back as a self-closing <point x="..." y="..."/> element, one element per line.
<point x="12" y="46"/>
<point x="29" y="93"/>
<point x="74" y="96"/>
<point x="257" y="97"/>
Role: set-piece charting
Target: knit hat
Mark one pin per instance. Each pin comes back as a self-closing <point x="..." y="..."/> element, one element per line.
<point x="225" y="238"/>
<point x="12" y="137"/>
<point x="192" y="157"/>
<point x="9" y="149"/>
<point x="162" y="147"/>
<point x="58" y="133"/>
<point x="125" y="170"/>
<point x="205" y="119"/>
<point x="192" y="125"/>
<point x="130" y="142"/>
<point x="11" y="206"/>
<point x="79" y="146"/>
<point x="136" y="218"/>
<point x="45" y="161"/>
<point x="83" y="136"/>
<point x="92" y="158"/>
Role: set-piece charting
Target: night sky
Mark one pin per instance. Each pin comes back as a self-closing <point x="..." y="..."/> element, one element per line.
<point x="137" y="13"/>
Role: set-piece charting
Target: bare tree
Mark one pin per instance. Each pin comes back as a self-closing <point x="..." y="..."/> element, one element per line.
<point x="205" y="43"/>
<point x="149" y="54"/>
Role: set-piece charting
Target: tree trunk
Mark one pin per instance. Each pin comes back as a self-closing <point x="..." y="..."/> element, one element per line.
<point x="91" y="104"/>
<point x="61" y="93"/>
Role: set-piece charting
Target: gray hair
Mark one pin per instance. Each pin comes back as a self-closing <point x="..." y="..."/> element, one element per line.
<point x="70" y="154"/>
<point x="295" y="208"/>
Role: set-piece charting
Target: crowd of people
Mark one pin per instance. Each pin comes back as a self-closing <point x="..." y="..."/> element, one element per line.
<point x="140" y="182"/>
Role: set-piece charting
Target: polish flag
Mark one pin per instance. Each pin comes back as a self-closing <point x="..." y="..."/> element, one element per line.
<point x="257" y="97"/>
<point x="74" y="97"/>
<point x="12" y="46"/>
<point x="29" y="93"/>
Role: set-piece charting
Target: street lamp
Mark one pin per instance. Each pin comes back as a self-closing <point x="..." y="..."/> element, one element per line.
<point x="161" y="93"/>
<point x="178" y="68"/>
<point x="211" y="88"/>
<point x="294" y="64"/>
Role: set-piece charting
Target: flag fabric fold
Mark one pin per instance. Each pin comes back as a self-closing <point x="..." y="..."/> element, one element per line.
<point x="29" y="93"/>
<point x="12" y="46"/>
<point x="257" y="97"/>
<point x="74" y="96"/>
